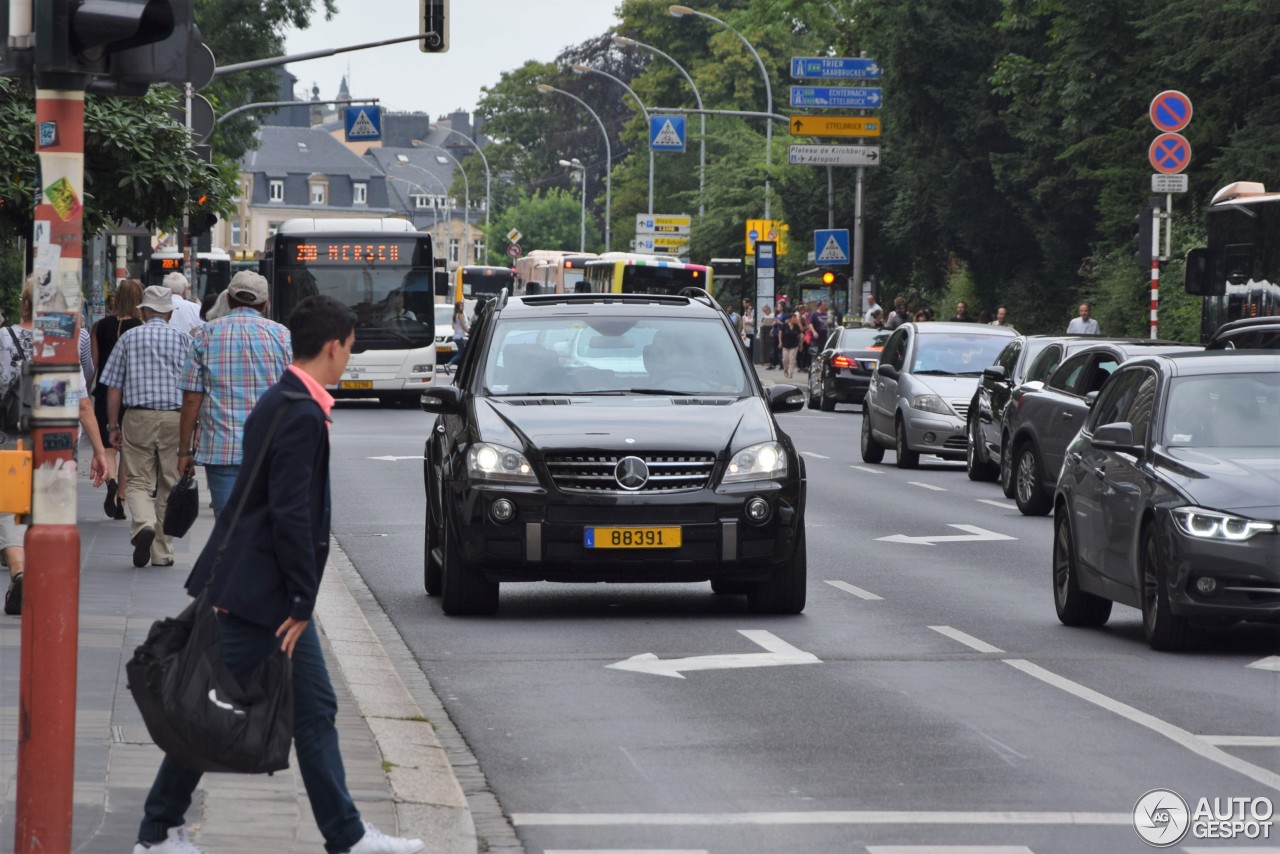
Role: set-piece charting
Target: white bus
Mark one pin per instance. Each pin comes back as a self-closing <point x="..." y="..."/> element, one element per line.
<point x="552" y="271"/>
<point x="383" y="270"/>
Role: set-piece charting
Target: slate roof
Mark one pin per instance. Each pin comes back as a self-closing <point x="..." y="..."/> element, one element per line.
<point x="279" y="154"/>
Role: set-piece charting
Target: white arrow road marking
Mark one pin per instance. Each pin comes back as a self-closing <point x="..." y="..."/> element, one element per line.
<point x="867" y="470"/>
<point x="926" y="486"/>
<point x="779" y="652"/>
<point x="856" y="591"/>
<point x="966" y="639"/>
<point x="815" y="455"/>
<point x="975" y="535"/>
<point x="392" y="459"/>
<point x="1003" y="505"/>
<point x="1271" y="662"/>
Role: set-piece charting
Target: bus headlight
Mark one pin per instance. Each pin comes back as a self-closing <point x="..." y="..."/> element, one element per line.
<point x="758" y="462"/>
<point x="422" y="369"/>
<point x="494" y="462"/>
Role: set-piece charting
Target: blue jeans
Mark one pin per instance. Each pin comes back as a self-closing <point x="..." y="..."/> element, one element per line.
<point x="461" y="344"/>
<point x="315" y="738"/>
<point x="220" y="479"/>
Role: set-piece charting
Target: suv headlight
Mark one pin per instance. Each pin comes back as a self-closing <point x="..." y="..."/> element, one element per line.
<point x="1213" y="525"/>
<point x="930" y="403"/>
<point x="759" y="462"/>
<point x="494" y="462"/>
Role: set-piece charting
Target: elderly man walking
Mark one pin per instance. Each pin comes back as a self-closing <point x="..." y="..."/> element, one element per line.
<point x="142" y="375"/>
<point x="186" y="314"/>
<point x="234" y="360"/>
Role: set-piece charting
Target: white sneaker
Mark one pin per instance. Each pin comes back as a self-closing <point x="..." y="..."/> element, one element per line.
<point x="375" y="841"/>
<point x="177" y="843"/>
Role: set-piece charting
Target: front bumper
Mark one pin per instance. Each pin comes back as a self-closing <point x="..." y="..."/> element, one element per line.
<point x="1247" y="576"/>
<point x="544" y="541"/>
<point x="947" y="432"/>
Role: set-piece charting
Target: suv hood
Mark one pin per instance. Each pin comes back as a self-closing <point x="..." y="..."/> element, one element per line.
<point x="628" y="423"/>
<point x="1237" y="480"/>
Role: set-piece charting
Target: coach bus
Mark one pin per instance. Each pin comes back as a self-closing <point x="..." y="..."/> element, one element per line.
<point x="552" y="271"/>
<point x="631" y="273"/>
<point x="213" y="271"/>
<point x="382" y="269"/>
<point x="1238" y="274"/>
<point x="474" y="282"/>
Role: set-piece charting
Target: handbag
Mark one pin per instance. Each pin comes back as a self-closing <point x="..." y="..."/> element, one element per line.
<point x="182" y="507"/>
<point x="196" y="711"/>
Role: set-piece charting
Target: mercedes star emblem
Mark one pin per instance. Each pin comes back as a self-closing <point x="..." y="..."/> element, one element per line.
<point x="632" y="473"/>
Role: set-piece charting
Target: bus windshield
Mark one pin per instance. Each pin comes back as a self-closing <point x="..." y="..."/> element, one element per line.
<point x="476" y="283"/>
<point x="394" y="308"/>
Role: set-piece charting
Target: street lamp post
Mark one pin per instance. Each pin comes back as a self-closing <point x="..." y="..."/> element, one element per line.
<point x="485" y="160"/>
<point x="623" y="41"/>
<point x="576" y="165"/>
<point x="403" y="161"/>
<point x="435" y="215"/>
<point x="547" y="89"/>
<point x="680" y="12"/>
<point x="466" y="193"/>
<point x="586" y="69"/>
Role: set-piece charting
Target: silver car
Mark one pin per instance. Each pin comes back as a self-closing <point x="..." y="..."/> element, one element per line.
<point x="919" y="397"/>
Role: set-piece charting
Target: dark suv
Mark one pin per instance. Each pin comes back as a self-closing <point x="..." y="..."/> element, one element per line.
<point x="611" y="437"/>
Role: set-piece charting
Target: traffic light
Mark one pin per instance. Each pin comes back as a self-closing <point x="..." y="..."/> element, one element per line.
<point x="834" y="280"/>
<point x="200" y="220"/>
<point x="433" y="18"/>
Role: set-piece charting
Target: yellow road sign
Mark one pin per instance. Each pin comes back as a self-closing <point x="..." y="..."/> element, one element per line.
<point x="861" y="126"/>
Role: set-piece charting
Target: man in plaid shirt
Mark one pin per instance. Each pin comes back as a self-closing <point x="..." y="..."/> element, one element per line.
<point x="142" y="375"/>
<point x="233" y="360"/>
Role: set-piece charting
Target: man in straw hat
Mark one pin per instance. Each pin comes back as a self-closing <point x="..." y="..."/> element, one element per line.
<point x="142" y="377"/>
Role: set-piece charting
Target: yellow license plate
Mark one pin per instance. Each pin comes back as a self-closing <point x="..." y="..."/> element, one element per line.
<point x="632" y="538"/>
<point x="356" y="384"/>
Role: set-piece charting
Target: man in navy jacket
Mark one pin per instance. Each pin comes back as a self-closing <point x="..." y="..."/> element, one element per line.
<point x="264" y="576"/>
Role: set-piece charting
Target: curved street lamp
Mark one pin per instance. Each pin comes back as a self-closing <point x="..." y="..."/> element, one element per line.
<point x="680" y="12"/>
<point x="487" y="175"/>
<point x="466" y="193"/>
<point x="576" y="165"/>
<point x="623" y="41"/>
<point x="586" y="69"/>
<point x="435" y="214"/>
<point x="547" y="89"/>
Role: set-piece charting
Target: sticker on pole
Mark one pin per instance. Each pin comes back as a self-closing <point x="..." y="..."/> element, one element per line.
<point x="1170" y="111"/>
<point x="1169" y="153"/>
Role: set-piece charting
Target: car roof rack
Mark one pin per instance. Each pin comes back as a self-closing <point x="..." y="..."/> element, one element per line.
<point x="701" y="296"/>
<point x="552" y="299"/>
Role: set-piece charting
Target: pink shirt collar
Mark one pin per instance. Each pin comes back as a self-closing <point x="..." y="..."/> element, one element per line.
<point x="314" y="389"/>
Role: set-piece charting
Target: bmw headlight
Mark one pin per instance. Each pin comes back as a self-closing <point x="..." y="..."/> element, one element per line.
<point x="758" y="462"/>
<point x="930" y="403"/>
<point x="1213" y="525"/>
<point x="494" y="462"/>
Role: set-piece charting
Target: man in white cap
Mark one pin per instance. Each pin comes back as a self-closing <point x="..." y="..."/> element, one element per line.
<point x="142" y="376"/>
<point x="234" y="359"/>
<point x="186" y="314"/>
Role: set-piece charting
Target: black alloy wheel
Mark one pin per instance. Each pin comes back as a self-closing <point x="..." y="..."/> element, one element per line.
<point x="872" y="451"/>
<point x="1074" y="606"/>
<point x="465" y="590"/>
<point x="907" y="458"/>
<point x="784" y="592"/>
<point x="813" y="396"/>
<point x="1165" y="631"/>
<point x="1029" y="493"/>
<point x="826" y="402"/>
<point x="977" y="465"/>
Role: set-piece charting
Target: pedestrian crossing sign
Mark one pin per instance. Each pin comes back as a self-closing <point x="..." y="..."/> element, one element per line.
<point x="364" y="124"/>
<point x="831" y="246"/>
<point x="666" y="133"/>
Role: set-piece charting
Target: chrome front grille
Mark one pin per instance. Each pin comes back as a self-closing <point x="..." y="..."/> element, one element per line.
<point x="961" y="407"/>
<point x="595" y="473"/>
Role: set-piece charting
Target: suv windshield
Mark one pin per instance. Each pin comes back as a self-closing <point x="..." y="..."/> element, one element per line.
<point x="1223" y="411"/>
<point x="956" y="353"/>
<point x="612" y="355"/>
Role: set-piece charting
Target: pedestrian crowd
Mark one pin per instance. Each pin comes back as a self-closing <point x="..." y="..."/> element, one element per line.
<point x="169" y="390"/>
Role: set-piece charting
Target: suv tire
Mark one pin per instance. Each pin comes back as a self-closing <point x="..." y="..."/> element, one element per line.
<point x="465" y="590"/>
<point x="1028" y="488"/>
<point x="1165" y="631"/>
<point x="1074" y="606"/>
<point x="784" y="592"/>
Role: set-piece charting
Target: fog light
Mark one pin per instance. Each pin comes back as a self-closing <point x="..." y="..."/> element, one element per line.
<point x="502" y="510"/>
<point x="757" y="510"/>
<point x="929" y="438"/>
<point x="1206" y="586"/>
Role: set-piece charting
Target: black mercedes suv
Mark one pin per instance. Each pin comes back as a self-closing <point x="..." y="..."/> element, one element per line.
<point x="611" y="437"/>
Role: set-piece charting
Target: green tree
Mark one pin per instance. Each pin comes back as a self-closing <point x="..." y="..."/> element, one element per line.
<point x="551" y="219"/>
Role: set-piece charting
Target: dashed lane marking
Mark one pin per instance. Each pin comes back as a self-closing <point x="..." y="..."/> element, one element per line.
<point x="815" y="455"/>
<point x="927" y="486"/>
<point x="856" y="591"/>
<point x="867" y="470"/>
<point x="1003" y="505"/>
<point x="1242" y="740"/>
<point x="966" y="639"/>
<point x="1271" y="662"/>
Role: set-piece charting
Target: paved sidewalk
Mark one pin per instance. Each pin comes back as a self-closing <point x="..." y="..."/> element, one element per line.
<point x="398" y="772"/>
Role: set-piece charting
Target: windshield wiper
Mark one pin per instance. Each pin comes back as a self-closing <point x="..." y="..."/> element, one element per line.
<point x="937" y="372"/>
<point x="666" y="391"/>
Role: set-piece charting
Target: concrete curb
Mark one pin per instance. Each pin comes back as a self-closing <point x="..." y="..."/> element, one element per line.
<point x="429" y="801"/>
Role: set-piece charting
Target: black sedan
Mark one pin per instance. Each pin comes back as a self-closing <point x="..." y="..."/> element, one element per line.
<point x="1169" y="500"/>
<point x="1248" y="333"/>
<point x="614" y="438"/>
<point x="842" y="372"/>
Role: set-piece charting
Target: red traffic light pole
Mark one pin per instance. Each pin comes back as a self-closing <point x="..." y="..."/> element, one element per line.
<point x="51" y="594"/>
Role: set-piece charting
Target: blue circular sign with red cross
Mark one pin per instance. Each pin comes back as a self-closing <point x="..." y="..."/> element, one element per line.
<point x="1170" y="111"/>
<point x="1169" y="153"/>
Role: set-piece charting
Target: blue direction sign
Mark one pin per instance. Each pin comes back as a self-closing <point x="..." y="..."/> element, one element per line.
<point x="364" y="123"/>
<point x="837" y="97"/>
<point x="834" y="68"/>
<point x="831" y="246"/>
<point x="666" y="133"/>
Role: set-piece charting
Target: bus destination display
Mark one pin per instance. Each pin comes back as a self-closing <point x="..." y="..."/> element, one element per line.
<point x="347" y="251"/>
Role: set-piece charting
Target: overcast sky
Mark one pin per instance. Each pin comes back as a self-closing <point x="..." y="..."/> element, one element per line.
<point x="487" y="38"/>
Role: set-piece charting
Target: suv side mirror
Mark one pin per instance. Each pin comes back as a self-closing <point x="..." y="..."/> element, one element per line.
<point x="442" y="400"/>
<point x="888" y="371"/>
<point x="784" y="398"/>
<point x="1117" y="436"/>
<point x="993" y="372"/>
